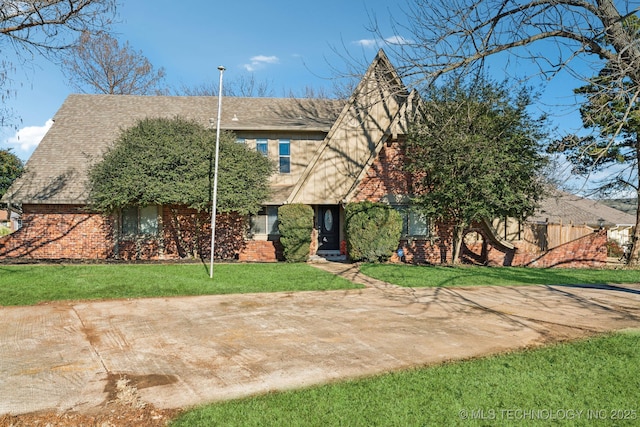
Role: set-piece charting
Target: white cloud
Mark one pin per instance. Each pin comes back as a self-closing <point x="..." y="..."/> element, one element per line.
<point x="259" y="61"/>
<point x="367" y="42"/>
<point x="372" y="43"/>
<point x="397" y="40"/>
<point x="27" y="138"/>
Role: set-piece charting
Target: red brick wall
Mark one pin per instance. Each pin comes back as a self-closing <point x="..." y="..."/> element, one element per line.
<point x="71" y="232"/>
<point x="587" y="251"/>
<point x="385" y="176"/>
<point x="59" y="232"/>
<point x="261" y="251"/>
<point x="436" y="250"/>
<point x="186" y="233"/>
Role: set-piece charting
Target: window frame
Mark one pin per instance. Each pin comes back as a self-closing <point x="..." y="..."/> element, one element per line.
<point x="260" y="143"/>
<point x="282" y="143"/>
<point x="413" y="219"/>
<point x="268" y="215"/>
<point x="143" y="220"/>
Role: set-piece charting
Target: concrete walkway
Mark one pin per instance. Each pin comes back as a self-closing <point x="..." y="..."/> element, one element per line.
<point x="186" y="351"/>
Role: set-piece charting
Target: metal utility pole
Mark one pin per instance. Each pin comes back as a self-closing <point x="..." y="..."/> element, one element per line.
<point x="215" y="175"/>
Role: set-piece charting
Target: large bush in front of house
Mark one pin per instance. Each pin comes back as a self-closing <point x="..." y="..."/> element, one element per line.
<point x="170" y="162"/>
<point x="373" y="231"/>
<point x="295" y="223"/>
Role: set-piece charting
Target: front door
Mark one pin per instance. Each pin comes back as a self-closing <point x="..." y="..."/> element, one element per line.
<point x="328" y="228"/>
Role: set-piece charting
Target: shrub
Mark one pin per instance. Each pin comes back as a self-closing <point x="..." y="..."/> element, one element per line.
<point x="373" y="231"/>
<point x="295" y="223"/>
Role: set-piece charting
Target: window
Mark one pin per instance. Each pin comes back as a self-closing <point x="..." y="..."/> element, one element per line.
<point x="140" y="221"/>
<point x="284" y="151"/>
<point x="265" y="222"/>
<point x="414" y="222"/>
<point x="262" y="146"/>
<point x="240" y="140"/>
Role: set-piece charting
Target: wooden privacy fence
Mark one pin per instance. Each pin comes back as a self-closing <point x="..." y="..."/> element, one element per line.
<point x="542" y="236"/>
<point x="548" y="236"/>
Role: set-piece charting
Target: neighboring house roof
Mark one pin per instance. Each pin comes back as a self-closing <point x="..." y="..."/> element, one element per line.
<point x="86" y="125"/>
<point x="629" y="206"/>
<point x="566" y="208"/>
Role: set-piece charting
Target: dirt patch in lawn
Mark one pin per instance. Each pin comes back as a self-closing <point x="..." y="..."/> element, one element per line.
<point x="123" y="408"/>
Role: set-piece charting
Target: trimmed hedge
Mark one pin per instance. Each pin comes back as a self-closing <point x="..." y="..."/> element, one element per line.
<point x="295" y="223"/>
<point x="373" y="231"/>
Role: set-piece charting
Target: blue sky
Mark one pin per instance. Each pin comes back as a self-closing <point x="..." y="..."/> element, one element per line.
<point x="289" y="45"/>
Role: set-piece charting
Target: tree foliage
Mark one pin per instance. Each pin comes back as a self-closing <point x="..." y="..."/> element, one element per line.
<point x="611" y="109"/>
<point x="98" y="64"/>
<point x="11" y="168"/>
<point x="373" y="231"/>
<point x="615" y="118"/>
<point x="242" y="86"/>
<point x="474" y="153"/>
<point x="170" y="161"/>
<point x="295" y="223"/>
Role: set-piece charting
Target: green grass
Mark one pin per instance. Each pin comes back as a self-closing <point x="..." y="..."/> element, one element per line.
<point x="436" y="276"/>
<point x="31" y="284"/>
<point x="588" y="382"/>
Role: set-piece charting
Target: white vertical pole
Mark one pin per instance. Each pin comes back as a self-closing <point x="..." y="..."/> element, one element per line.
<point x="215" y="175"/>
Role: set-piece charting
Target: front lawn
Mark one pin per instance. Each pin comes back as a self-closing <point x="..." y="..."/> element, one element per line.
<point x="590" y="382"/>
<point x="31" y="284"/>
<point x="437" y="276"/>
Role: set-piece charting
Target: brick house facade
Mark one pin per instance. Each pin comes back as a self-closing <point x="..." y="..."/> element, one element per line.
<point x="330" y="153"/>
<point x="59" y="232"/>
<point x="386" y="177"/>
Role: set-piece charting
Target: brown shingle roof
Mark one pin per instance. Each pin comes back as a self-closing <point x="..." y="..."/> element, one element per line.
<point x="86" y="125"/>
<point x="561" y="207"/>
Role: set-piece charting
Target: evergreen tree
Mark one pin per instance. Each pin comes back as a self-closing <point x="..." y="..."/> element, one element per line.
<point x="474" y="153"/>
<point x="170" y="161"/>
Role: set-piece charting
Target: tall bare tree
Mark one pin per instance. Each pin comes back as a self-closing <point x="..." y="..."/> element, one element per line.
<point x="44" y="28"/>
<point x="53" y="24"/>
<point x="436" y="37"/>
<point x="242" y="86"/>
<point x="98" y="64"/>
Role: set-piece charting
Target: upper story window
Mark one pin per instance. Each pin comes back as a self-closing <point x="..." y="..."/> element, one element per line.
<point x="284" y="151"/>
<point x="262" y="146"/>
<point x="139" y="221"/>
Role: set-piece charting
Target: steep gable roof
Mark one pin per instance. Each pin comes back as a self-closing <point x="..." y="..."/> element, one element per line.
<point x="356" y="137"/>
<point x="86" y="126"/>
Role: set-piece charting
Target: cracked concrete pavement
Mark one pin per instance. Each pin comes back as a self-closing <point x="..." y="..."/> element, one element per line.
<point x="186" y="351"/>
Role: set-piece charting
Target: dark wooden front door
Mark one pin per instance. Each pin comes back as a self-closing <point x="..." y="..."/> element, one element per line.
<point x="328" y="228"/>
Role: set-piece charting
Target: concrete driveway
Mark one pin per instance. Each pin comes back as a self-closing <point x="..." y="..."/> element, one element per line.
<point x="186" y="351"/>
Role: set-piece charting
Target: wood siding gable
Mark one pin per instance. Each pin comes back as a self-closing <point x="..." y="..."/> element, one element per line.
<point x="356" y="137"/>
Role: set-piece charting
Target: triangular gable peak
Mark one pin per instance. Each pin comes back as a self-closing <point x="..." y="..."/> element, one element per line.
<point x="399" y="126"/>
<point x="356" y="137"/>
